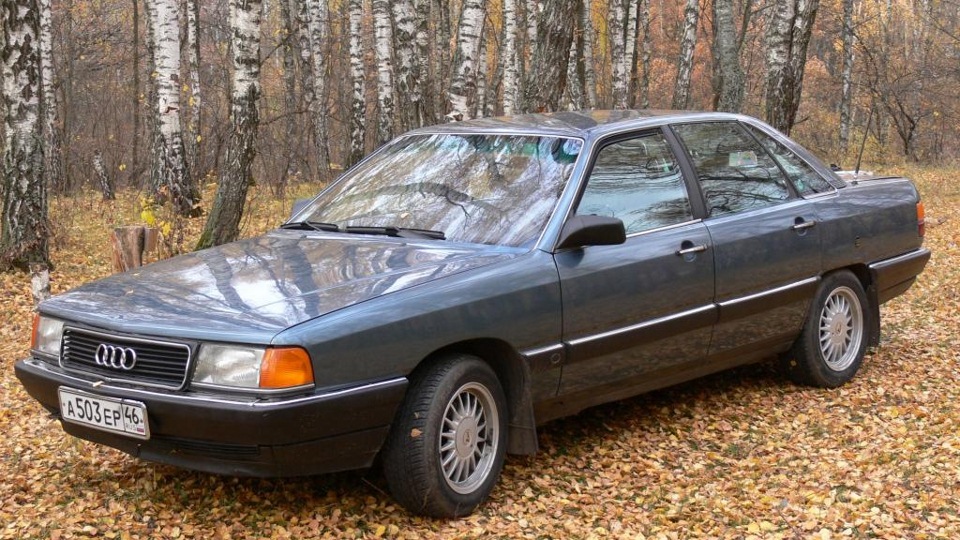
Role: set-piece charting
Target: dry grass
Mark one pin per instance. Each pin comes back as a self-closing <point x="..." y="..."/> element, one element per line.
<point x="742" y="454"/>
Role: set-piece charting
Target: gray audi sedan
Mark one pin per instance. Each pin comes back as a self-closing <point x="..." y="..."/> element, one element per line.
<point x="470" y="281"/>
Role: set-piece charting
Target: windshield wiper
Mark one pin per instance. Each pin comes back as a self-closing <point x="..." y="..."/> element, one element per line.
<point x="402" y="232"/>
<point x="311" y="226"/>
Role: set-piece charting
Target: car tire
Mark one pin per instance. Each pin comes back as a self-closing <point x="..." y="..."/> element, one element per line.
<point x="446" y="448"/>
<point x="834" y="339"/>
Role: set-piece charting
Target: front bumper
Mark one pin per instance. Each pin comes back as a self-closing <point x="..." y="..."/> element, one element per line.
<point x="305" y="434"/>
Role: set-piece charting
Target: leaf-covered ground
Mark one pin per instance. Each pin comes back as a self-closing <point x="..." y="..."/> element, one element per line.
<point x="742" y="454"/>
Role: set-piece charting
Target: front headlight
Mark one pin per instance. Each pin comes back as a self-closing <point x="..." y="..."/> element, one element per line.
<point x="47" y="333"/>
<point x="237" y="366"/>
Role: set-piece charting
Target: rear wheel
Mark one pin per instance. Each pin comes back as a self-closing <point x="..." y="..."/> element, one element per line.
<point x="446" y="449"/>
<point x="831" y="347"/>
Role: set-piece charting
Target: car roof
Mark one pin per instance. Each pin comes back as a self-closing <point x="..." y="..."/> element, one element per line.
<point x="581" y="124"/>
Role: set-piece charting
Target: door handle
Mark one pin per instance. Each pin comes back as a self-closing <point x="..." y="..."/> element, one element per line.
<point x="694" y="249"/>
<point x="801" y="225"/>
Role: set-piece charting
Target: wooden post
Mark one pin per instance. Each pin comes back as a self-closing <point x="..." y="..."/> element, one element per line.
<point x="128" y="243"/>
<point x="131" y="244"/>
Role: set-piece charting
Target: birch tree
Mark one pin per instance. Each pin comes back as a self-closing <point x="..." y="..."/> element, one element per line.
<point x="688" y="43"/>
<point x="575" y="85"/>
<point x="463" y="85"/>
<point x="408" y="69"/>
<point x="645" y="54"/>
<point x="589" y="67"/>
<point x="53" y="154"/>
<point x="846" y="75"/>
<point x="135" y="90"/>
<point x="728" y="77"/>
<point x="788" y="34"/>
<point x="510" y="59"/>
<point x="317" y="25"/>
<point x="630" y="52"/>
<point x="169" y="176"/>
<point x="618" y="49"/>
<point x="383" y="36"/>
<point x="289" y="53"/>
<point x="223" y="224"/>
<point x="358" y="106"/>
<point x="547" y="79"/>
<point x="422" y="78"/>
<point x="192" y="137"/>
<point x="23" y="240"/>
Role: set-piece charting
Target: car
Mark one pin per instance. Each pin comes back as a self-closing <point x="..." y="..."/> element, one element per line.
<point x="470" y="281"/>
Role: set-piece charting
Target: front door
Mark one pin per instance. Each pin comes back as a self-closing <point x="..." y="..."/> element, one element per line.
<point x="638" y="311"/>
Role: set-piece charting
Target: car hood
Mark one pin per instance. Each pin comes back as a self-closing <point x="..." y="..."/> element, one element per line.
<point x="252" y="289"/>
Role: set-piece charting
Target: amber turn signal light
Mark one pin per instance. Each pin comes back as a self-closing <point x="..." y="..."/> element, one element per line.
<point x="33" y="335"/>
<point x="285" y="367"/>
<point x="921" y="220"/>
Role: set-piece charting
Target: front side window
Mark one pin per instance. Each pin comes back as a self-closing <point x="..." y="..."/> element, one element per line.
<point x="638" y="181"/>
<point x="478" y="188"/>
<point x="734" y="171"/>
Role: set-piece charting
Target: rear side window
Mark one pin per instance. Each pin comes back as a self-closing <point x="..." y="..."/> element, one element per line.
<point x="734" y="171"/>
<point x="638" y="181"/>
<point x="804" y="177"/>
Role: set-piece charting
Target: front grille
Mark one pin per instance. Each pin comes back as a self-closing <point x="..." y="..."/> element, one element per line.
<point x="159" y="363"/>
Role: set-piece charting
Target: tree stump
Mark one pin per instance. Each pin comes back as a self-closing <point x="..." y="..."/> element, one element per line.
<point x="131" y="243"/>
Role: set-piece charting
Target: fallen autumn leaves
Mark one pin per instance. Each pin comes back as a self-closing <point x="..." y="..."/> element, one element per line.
<point x="743" y="454"/>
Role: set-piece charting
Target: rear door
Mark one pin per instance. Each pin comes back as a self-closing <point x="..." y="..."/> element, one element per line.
<point x="635" y="311"/>
<point x="765" y="238"/>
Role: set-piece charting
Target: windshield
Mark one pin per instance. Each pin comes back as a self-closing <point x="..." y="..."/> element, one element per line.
<point x="489" y="189"/>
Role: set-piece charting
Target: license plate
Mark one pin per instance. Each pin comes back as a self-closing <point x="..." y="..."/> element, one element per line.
<point x="115" y="415"/>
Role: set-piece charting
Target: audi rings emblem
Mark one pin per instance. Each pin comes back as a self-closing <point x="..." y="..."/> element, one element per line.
<point x="116" y="357"/>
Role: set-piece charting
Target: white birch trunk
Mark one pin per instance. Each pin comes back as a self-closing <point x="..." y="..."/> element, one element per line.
<point x="589" y="70"/>
<point x="223" y="224"/>
<point x="617" y="52"/>
<point x="728" y="77"/>
<point x="532" y="8"/>
<point x="545" y="85"/>
<point x="511" y="71"/>
<point x="193" y="138"/>
<point x="645" y="55"/>
<point x="575" y="90"/>
<point x="630" y="52"/>
<point x="806" y="13"/>
<point x="169" y="171"/>
<point x="480" y="102"/>
<point x="358" y="108"/>
<point x="688" y="43"/>
<point x="422" y="74"/>
<point x="407" y="68"/>
<point x="383" y="36"/>
<point x="463" y="86"/>
<point x="778" y="83"/>
<point x="317" y="28"/>
<point x="53" y="153"/>
<point x="846" y="76"/>
<point x="23" y="241"/>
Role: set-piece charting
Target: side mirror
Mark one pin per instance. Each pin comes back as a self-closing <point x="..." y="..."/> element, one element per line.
<point x="582" y="231"/>
<point x="298" y="205"/>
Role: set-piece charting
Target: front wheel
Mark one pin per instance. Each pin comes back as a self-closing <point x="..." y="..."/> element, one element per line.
<point x="446" y="449"/>
<point x="831" y="347"/>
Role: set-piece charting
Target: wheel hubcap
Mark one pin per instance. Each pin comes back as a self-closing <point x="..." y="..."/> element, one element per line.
<point x="841" y="329"/>
<point x="469" y="438"/>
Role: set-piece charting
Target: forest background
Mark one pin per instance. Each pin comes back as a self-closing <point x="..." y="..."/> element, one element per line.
<point x="170" y="97"/>
<point x="119" y="112"/>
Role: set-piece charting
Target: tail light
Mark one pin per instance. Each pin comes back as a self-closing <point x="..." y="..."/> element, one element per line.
<point x="921" y="225"/>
